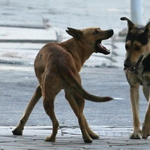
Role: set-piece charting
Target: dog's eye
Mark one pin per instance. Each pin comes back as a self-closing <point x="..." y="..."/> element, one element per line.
<point x="95" y="32"/>
<point x="137" y="48"/>
<point x="127" y="47"/>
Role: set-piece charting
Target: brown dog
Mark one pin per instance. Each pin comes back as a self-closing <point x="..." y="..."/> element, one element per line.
<point x="137" y="68"/>
<point x="57" y="67"/>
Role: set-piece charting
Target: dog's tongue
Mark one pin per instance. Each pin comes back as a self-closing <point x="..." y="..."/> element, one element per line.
<point x="103" y="49"/>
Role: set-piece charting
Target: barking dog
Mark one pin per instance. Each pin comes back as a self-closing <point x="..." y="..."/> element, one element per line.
<point x="57" y="67"/>
<point x="137" y="69"/>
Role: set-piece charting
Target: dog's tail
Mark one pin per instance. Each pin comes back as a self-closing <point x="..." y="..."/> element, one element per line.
<point x="73" y="86"/>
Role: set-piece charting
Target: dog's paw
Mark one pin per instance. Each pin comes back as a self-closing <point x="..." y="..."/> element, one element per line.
<point x="50" y="139"/>
<point x="146" y="130"/>
<point x="135" y="135"/>
<point x="88" y="140"/>
<point x="94" y="136"/>
<point x="17" y="132"/>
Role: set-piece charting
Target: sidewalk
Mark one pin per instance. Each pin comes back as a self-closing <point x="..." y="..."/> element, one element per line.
<point x="26" y="35"/>
<point x="70" y="139"/>
<point x="19" y="46"/>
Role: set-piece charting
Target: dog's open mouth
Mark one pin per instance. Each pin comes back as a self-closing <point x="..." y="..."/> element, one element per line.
<point x="101" y="49"/>
<point x="134" y="68"/>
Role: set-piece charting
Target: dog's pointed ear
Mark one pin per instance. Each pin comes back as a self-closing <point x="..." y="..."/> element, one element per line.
<point x="131" y="25"/>
<point x="74" y="32"/>
<point x="147" y="28"/>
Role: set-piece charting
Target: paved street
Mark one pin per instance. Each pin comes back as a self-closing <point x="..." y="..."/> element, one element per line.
<point x="19" y="84"/>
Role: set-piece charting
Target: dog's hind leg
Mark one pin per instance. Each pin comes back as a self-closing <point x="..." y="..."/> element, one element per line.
<point x="50" y="88"/>
<point x="74" y="107"/>
<point x="48" y="103"/>
<point x="35" y="98"/>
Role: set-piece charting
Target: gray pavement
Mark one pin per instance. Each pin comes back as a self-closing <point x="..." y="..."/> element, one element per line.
<point x="70" y="139"/>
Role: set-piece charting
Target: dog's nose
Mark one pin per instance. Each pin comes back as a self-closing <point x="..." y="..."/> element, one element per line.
<point x="126" y="65"/>
<point x="111" y="31"/>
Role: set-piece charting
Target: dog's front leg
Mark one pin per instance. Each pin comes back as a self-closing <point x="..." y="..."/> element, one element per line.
<point x="134" y="96"/>
<point x="146" y="124"/>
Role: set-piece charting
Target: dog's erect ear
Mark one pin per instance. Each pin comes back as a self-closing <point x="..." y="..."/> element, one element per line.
<point x="147" y="28"/>
<point x="130" y="23"/>
<point x="74" y="32"/>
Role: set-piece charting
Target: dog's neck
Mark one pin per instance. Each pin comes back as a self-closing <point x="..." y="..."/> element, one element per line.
<point x="80" y="53"/>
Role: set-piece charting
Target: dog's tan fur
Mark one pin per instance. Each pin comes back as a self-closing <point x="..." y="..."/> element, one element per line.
<point x="137" y="45"/>
<point x="57" y="67"/>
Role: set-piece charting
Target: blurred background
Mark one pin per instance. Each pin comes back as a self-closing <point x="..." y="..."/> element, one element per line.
<point x="50" y="18"/>
<point x="64" y="13"/>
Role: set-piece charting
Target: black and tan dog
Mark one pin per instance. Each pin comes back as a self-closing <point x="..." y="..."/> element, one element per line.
<point x="57" y="67"/>
<point x="137" y="68"/>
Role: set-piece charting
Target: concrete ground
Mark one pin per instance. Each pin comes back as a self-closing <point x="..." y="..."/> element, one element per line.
<point x="70" y="139"/>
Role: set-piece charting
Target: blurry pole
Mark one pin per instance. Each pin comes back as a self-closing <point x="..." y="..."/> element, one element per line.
<point x="136" y="12"/>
